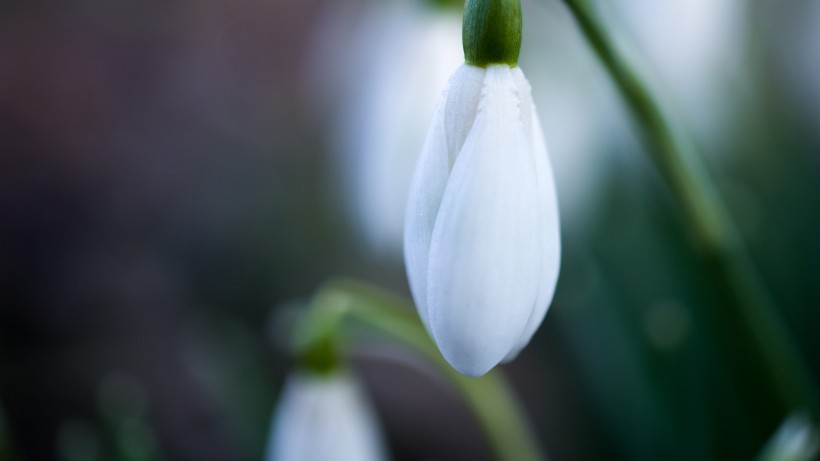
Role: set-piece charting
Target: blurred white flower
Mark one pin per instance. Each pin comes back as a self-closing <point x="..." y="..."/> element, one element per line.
<point x="324" y="417"/>
<point x="695" y="48"/>
<point x="482" y="243"/>
<point x="796" y="440"/>
<point x="403" y="53"/>
<point x="796" y="55"/>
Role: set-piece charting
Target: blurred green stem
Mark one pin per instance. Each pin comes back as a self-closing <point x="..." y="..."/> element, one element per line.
<point x="489" y="398"/>
<point x="6" y="448"/>
<point x="711" y="225"/>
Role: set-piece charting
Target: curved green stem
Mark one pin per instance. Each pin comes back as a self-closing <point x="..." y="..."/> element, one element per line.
<point x="711" y="225"/>
<point x="490" y="398"/>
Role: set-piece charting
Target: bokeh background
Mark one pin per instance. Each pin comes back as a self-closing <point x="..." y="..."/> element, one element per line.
<point x="176" y="176"/>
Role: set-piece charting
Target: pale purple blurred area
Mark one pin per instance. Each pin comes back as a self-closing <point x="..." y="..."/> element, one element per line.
<point x="151" y="157"/>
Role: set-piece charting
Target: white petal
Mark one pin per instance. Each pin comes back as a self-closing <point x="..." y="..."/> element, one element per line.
<point x="461" y="106"/>
<point x="423" y="203"/>
<point x="524" y="91"/>
<point x="456" y="112"/>
<point x="324" y="418"/>
<point x="549" y="225"/>
<point x="484" y="264"/>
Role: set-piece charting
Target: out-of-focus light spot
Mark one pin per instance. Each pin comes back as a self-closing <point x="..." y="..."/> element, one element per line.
<point x="666" y="325"/>
<point x="78" y="441"/>
<point x="121" y="397"/>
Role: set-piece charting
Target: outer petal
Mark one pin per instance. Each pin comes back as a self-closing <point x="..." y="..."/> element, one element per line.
<point x="324" y="418"/>
<point x="453" y="117"/>
<point x="484" y="264"/>
<point x="461" y="106"/>
<point x="550" y="228"/>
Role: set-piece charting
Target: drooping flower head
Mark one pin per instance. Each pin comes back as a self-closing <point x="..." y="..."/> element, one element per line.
<point x="482" y="243"/>
<point x="324" y="417"/>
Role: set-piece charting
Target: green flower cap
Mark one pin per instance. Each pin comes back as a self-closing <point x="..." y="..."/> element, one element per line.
<point x="492" y="32"/>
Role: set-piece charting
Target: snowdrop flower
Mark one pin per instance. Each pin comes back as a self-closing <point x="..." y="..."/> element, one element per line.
<point x="482" y="243"/>
<point x="324" y="417"/>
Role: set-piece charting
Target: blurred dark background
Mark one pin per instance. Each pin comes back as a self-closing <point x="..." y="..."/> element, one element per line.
<point x="167" y="186"/>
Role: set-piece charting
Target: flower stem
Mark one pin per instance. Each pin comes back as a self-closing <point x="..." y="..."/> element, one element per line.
<point x="490" y="398"/>
<point x="718" y="240"/>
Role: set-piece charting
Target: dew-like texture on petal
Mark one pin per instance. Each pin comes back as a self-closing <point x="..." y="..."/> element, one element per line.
<point x="549" y="223"/>
<point x="324" y="418"/>
<point x="456" y="110"/>
<point x="524" y="92"/>
<point x="485" y="254"/>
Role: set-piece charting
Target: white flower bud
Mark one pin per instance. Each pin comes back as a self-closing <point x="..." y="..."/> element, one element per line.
<point x="482" y="243"/>
<point x="324" y="417"/>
